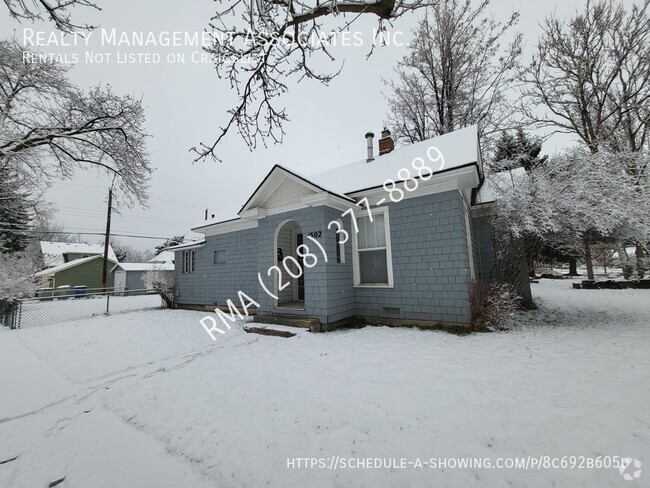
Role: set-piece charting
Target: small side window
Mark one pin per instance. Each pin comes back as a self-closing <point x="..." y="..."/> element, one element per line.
<point x="219" y="256"/>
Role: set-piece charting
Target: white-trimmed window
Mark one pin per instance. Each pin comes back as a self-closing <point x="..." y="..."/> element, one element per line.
<point x="373" y="264"/>
<point x="189" y="261"/>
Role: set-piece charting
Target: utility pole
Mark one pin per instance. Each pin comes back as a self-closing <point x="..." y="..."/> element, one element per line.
<point x="107" y="237"/>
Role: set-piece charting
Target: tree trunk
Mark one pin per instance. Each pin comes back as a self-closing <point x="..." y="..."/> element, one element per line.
<point x="588" y="262"/>
<point x="625" y="263"/>
<point x="573" y="267"/>
<point x="640" y="267"/>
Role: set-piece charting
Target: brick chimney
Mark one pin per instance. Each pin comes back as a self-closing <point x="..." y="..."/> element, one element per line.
<point x="386" y="143"/>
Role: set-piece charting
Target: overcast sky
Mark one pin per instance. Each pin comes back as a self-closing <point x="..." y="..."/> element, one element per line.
<point x="186" y="103"/>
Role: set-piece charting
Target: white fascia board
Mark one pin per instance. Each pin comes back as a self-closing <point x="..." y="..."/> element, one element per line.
<point x="324" y="198"/>
<point x="319" y="199"/>
<point x="231" y="226"/>
<point x="458" y="179"/>
<point x="253" y="214"/>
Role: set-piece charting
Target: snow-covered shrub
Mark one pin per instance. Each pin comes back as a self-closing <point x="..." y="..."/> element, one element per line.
<point x="162" y="281"/>
<point x="17" y="275"/>
<point x="492" y="303"/>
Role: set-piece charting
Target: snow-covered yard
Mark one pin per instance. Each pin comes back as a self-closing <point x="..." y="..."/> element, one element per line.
<point x="146" y="399"/>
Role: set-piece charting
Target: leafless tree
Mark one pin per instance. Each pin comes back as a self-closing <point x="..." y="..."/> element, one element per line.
<point x="261" y="44"/>
<point x="591" y="76"/>
<point x="56" y="11"/>
<point x="458" y="72"/>
<point x="44" y="119"/>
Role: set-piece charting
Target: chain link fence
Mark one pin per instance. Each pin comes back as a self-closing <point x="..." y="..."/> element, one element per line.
<point x="33" y="312"/>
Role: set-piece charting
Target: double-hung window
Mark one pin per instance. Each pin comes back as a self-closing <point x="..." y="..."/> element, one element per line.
<point x="372" y="253"/>
<point x="189" y="261"/>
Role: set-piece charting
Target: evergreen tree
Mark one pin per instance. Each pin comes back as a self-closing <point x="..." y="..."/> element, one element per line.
<point x="172" y="241"/>
<point x="518" y="151"/>
<point x="15" y="214"/>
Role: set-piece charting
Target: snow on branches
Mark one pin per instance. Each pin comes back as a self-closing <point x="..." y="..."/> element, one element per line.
<point x="44" y="118"/>
<point x="577" y="198"/>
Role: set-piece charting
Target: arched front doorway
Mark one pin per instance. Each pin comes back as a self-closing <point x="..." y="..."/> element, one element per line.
<point x="288" y="237"/>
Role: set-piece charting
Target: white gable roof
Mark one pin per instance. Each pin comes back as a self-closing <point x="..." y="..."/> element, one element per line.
<point x="458" y="148"/>
<point x="282" y="186"/>
<point x="53" y="251"/>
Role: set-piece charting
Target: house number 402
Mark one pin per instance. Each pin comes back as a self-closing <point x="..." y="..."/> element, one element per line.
<point x="317" y="233"/>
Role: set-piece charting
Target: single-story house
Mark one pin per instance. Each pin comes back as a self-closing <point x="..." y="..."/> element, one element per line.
<point x="85" y="271"/>
<point x="138" y="276"/>
<point x="408" y="256"/>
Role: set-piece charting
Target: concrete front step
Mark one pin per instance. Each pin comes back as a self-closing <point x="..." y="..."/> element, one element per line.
<point x="311" y="323"/>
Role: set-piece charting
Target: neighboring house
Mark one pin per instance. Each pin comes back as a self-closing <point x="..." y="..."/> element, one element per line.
<point x="135" y="276"/>
<point x="74" y="264"/>
<point x="56" y="253"/>
<point x="412" y="263"/>
<point x="78" y="272"/>
<point x="165" y="257"/>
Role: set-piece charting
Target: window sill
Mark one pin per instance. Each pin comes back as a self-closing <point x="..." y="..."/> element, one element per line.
<point x="373" y="286"/>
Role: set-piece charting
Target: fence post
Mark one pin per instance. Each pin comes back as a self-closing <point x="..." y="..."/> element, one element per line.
<point x="15" y="307"/>
<point x="108" y="299"/>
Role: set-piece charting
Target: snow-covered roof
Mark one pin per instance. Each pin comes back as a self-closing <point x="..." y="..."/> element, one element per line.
<point x="489" y="191"/>
<point x="53" y="251"/>
<point x="147" y="266"/>
<point x="443" y="153"/>
<point x="458" y="148"/>
<point x="163" y="257"/>
<point x="186" y="245"/>
<point x="69" y="264"/>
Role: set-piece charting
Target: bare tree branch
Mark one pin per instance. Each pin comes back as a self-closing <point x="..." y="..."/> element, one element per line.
<point x="56" y="11"/>
<point x="458" y="72"/>
<point x="263" y="43"/>
<point x="44" y="118"/>
<point x="591" y="76"/>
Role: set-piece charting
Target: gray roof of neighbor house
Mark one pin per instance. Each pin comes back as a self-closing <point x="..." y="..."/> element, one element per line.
<point x="53" y="251"/>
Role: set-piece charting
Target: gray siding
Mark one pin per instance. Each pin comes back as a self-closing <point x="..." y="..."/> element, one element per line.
<point x="429" y="256"/>
<point x="310" y="220"/>
<point x="430" y="262"/>
<point x="213" y="284"/>
<point x="135" y="280"/>
<point x="341" y="299"/>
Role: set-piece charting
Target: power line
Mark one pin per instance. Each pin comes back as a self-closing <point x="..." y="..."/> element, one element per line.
<point x="151" y="198"/>
<point x="31" y="231"/>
